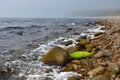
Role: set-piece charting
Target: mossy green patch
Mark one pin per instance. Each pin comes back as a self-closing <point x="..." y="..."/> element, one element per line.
<point x="80" y="54"/>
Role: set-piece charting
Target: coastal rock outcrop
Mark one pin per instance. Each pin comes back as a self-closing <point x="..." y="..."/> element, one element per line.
<point x="56" y="56"/>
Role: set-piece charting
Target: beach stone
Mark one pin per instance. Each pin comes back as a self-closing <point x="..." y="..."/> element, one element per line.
<point x="56" y="56"/>
<point x="74" y="78"/>
<point x="89" y="47"/>
<point x="105" y="53"/>
<point x="98" y="33"/>
<point x="117" y="78"/>
<point x="66" y="43"/>
<point x="69" y="68"/>
<point x="47" y="78"/>
<point x="76" y="62"/>
<point x="72" y="49"/>
<point x="96" y="70"/>
<point x="84" y="41"/>
<point x="113" y="67"/>
<point x="99" y="77"/>
<point x="21" y="78"/>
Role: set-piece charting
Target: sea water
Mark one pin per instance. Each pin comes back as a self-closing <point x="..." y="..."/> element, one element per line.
<point x="17" y="33"/>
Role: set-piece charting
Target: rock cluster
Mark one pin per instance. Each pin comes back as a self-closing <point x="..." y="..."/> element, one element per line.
<point x="103" y="65"/>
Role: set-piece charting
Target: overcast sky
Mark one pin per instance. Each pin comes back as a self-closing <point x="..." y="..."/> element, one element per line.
<point x="52" y="8"/>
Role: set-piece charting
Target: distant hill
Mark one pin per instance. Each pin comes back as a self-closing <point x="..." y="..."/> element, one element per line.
<point x="88" y="13"/>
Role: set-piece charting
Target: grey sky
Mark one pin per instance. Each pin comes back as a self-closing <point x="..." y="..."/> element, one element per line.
<point x="53" y="8"/>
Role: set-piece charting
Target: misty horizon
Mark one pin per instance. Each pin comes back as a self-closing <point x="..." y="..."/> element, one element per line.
<point x="59" y="8"/>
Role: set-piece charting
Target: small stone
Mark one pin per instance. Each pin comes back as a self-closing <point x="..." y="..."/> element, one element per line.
<point x="21" y="33"/>
<point x="69" y="68"/>
<point x="74" y="78"/>
<point x="66" y="43"/>
<point x="96" y="70"/>
<point x="47" y="70"/>
<point x="89" y="47"/>
<point x="98" y="33"/>
<point x="47" y="78"/>
<point x="76" y="62"/>
<point x="104" y="53"/>
<point x="72" y="49"/>
<point x="84" y="41"/>
<point x="117" y="78"/>
<point x="113" y="67"/>
<point x="99" y="77"/>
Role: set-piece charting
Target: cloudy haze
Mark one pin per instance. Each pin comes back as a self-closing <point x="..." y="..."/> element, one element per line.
<point x="58" y="8"/>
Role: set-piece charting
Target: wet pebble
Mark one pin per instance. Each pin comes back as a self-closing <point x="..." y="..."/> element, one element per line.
<point x="99" y="77"/>
<point x="105" y="53"/>
<point x="113" y="67"/>
<point x="96" y="70"/>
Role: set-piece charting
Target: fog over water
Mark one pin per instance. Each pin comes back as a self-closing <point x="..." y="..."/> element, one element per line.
<point x="58" y="8"/>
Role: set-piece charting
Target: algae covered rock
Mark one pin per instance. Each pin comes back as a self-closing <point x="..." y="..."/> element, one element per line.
<point x="56" y="56"/>
<point x="81" y="54"/>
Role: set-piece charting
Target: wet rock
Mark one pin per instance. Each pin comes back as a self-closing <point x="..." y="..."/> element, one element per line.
<point x="70" y="29"/>
<point x="96" y="70"/>
<point x="66" y="43"/>
<point x="47" y="70"/>
<point x="74" y="78"/>
<point x="105" y="53"/>
<point x="98" y="33"/>
<point x="72" y="49"/>
<point x="69" y="68"/>
<point x="56" y="56"/>
<point x="113" y="67"/>
<point x="76" y="62"/>
<point x="20" y="33"/>
<point x="5" y="74"/>
<point x="75" y="33"/>
<point x="84" y="41"/>
<point x="89" y="47"/>
<point x="21" y="78"/>
<point x="47" y="78"/>
<point x="99" y="77"/>
<point x="117" y="78"/>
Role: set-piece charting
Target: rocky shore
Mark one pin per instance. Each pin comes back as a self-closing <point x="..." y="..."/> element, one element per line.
<point x="104" y="64"/>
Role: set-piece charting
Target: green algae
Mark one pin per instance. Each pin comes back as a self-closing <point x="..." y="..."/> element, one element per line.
<point x="81" y="54"/>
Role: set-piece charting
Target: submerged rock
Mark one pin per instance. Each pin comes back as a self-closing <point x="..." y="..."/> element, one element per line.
<point x="56" y="56"/>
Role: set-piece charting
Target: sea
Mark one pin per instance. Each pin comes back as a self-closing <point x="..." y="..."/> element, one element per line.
<point x="23" y="42"/>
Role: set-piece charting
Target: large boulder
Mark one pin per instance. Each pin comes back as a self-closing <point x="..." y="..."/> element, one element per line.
<point x="56" y="56"/>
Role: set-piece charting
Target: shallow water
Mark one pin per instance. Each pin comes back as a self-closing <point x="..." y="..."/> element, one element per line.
<point x="17" y="33"/>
